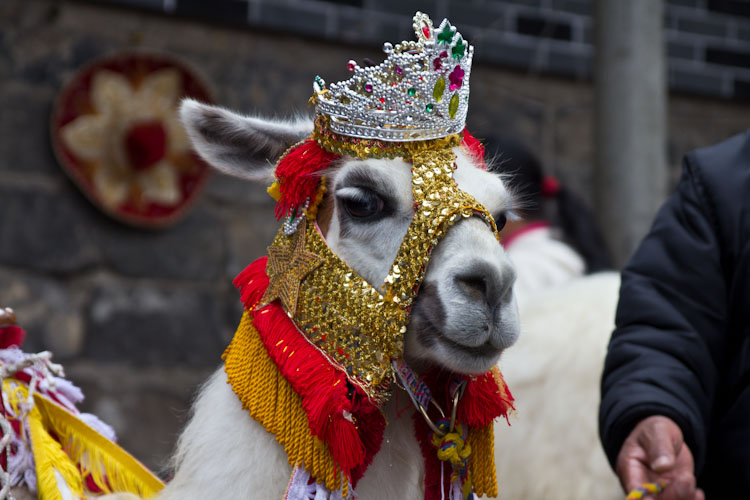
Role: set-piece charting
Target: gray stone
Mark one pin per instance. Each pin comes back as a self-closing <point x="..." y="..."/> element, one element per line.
<point x="582" y="7"/>
<point x="192" y="249"/>
<point x="250" y="233"/>
<point x="27" y="108"/>
<point x="518" y="52"/>
<point x="681" y="50"/>
<point x="570" y="61"/>
<point x="301" y="18"/>
<point x="148" y="325"/>
<point x="463" y="14"/>
<point x="234" y="191"/>
<point x="703" y="26"/>
<point x="696" y="82"/>
<point x="49" y="232"/>
<point x="49" y="311"/>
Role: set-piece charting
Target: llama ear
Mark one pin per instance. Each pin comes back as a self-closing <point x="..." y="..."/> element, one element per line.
<point x="237" y="145"/>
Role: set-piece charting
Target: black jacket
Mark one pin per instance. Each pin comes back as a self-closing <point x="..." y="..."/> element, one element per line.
<point x="681" y="347"/>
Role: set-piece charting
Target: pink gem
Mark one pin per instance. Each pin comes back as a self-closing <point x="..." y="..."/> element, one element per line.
<point x="351" y="65"/>
<point x="398" y="69"/>
<point x="443" y="54"/>
<point x="437" y="64"/>
<point x="456" y="78"/>
<point x="368" y="87"/>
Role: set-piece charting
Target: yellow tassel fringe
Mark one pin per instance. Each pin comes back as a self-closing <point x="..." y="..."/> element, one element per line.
<point x="271" y="400"/>
<point x="78" y="445"/>
<point x="482" y="461"/>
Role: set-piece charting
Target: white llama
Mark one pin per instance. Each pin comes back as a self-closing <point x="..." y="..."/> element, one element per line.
<point x="463" y="321"/>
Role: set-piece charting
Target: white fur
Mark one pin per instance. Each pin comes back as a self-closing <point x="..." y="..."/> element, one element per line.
<point x="552" y="450"/>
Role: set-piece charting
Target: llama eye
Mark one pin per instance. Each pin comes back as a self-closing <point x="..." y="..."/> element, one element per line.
<point x="360" y="203"/>
<point x="500" y="220"/>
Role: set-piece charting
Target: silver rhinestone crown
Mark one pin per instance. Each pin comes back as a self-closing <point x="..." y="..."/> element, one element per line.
<point x="420" y="91"/>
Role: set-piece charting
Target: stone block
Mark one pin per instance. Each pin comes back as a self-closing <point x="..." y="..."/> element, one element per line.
<point x="685" y="3"/>
<point x="192" y="249"/>
<point x="229" y="190"/>
<point x="570" y="61"/>
<point x="539" y="26"/>
<point x="50" y="312"/>
<point x="581" y="7"/>
<point x="679" y="50"/>
<point x="250" y="232"/>
<point x="742" y="89"/>
<point x="464" y="14"/>
<point x="514" y="52"/>
<point x="301" y="19"/>
<point x="149" y="325"/>
<point x="374" y="28"/>
<point x="703" y="26"/>
<point x="696" y="82"/>
<point x="408" y="7"/>
<point x="47" y="231"/>
<point x="26" y="108"/>
<point x="224" y="11"/>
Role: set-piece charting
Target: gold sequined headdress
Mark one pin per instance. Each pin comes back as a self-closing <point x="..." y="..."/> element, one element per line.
<point x="345" y="335"/>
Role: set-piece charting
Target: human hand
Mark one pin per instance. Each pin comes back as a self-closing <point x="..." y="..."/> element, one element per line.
<point x="655" y="451"/>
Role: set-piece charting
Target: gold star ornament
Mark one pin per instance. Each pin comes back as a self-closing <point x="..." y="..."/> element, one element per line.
<point x="287" y="267"/>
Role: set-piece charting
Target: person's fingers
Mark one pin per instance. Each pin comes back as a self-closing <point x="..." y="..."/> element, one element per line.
<point x="684" y="486"/>
<point x="699" y="495"/>
<point x="633" y="473"/>
<point x="662" y="440"/>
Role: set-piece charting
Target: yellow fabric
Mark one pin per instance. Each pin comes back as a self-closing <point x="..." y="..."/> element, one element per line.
<point x="77" y="446"/>
<point x="271" y="400"/>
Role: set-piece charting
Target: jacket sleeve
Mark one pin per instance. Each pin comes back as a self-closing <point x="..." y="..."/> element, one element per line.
<point x="668" y="345"/>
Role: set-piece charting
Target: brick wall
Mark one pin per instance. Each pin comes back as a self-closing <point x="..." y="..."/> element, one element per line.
<point x="139" y="318"/>
<point x="708" y="41"/>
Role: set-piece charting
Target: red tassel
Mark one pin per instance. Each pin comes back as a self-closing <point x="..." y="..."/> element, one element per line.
<point x="323" y="388"/>
<point x="484" y="400"/>
<point x="476" y="149"/>
<point x="298" y="175"/>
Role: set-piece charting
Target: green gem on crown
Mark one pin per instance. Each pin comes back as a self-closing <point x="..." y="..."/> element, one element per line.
<point x="459" y="49"/>
<point x="446" y="35"/>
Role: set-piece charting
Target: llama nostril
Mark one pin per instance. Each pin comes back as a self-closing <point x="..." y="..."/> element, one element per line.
<point x="473" y="285"/>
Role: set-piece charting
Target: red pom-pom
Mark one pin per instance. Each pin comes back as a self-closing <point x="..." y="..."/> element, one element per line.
<point x="298" y="174"/>
<point x="476" y="149"/>
<point x="485" y="398"/>
<point x="11" y="335"/>
<point x="550" y="186"/>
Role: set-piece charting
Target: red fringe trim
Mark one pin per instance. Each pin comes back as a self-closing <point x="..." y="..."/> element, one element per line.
<point x="327" y="398"/>
<point x="476" y="149"/>
<point x="297" y="175"/>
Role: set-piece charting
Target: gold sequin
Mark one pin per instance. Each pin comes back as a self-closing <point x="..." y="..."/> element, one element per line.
<point x="357" y="328"/>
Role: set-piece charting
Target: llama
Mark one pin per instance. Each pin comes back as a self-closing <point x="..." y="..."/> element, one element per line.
<point x="552" y="448"/>
<point x="462" y="320"/>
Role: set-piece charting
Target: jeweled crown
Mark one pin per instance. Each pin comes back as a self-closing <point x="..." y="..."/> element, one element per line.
<point x="420" y="91"/>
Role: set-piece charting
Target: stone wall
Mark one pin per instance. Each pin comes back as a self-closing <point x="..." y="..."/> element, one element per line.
<point x="138" y="317"/>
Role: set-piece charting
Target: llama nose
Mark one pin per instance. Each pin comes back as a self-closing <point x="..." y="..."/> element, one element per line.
<point x="484" y="282"/>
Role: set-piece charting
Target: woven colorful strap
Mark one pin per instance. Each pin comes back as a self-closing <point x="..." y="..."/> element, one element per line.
<point x="646" y="489"/>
